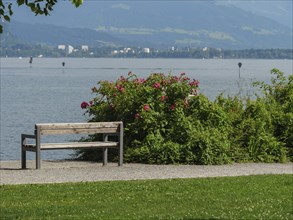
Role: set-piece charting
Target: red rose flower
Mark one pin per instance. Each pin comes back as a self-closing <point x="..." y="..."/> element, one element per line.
<point x="194" y="83"/>
<point x="157" y="85"/>
<point x="84" y="105"/>
<point x="173" y="106"/>
<point x="163" y="98"/>
<point x="146" y="107"/>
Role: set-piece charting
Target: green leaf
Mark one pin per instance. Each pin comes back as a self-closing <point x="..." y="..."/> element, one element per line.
<point x="10" y="9"/>
<point x="77" y="3"/>
<point x="20" y="2"/>
<point x="7" y="18"/>
<point x="46" y="12"/>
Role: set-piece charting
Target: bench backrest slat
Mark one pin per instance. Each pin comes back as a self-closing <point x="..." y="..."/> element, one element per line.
<point x="78" y="128"/>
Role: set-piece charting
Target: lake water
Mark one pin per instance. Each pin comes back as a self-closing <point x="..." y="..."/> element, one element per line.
<point x="48" y="92"/>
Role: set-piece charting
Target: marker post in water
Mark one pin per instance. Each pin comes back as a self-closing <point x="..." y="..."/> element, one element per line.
<point x="239" y="65"/>
<point x="31" y="61"/>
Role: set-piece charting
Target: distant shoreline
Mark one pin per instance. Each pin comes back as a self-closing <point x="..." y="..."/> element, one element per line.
<point x="193" y="53"/>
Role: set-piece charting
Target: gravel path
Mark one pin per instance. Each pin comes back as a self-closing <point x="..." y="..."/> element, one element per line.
<point x="76" y="171"/>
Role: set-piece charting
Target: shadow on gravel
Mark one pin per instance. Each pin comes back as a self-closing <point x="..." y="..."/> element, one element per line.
<point x="3" y="168"/>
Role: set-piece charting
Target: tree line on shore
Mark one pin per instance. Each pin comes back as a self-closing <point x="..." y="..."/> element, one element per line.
<point x="24" y="50"/>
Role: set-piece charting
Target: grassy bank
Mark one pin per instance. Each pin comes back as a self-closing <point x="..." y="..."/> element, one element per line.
<point x="247" y="197"/>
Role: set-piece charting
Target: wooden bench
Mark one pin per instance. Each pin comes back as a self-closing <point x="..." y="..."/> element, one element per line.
<point x="105" y="128"/>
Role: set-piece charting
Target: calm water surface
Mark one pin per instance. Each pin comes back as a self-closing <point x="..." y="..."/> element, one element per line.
<point x="48" y="92"/>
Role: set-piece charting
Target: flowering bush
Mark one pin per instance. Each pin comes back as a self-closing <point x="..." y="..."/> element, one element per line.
<point x="150" y="109"/>
<point x="167" y="121"/>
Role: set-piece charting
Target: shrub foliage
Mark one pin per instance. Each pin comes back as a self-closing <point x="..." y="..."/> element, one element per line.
<point x="166" y="120"/>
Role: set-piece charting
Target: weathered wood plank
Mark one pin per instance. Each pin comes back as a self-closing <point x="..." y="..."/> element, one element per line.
<point x="78" y="131"/>
<point x="78" y="128"/>
<point x="72" y="145"/>
<point x="79" y="125"/>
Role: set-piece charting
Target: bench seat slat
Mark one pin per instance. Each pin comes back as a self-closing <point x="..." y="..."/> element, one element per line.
<point x="78" y="131"/>
<point x="79" y="125"/>
<point x="72" y="145"/>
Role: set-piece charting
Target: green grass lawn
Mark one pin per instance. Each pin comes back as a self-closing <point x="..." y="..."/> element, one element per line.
<point x="246" y="197"/>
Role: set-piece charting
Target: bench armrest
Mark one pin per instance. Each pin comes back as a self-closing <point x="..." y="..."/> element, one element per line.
<point x="23" y="143"/>
<point x="31" y="136"/>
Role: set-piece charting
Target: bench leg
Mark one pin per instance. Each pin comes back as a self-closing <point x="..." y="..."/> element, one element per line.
<point x="23" y="152"/>
<point x="23" y="159"/>
<point x="105" y="151"/>
<point x="120" y="159"/>
<point x="38" y="159"/>
<point x="38" y="149"/>
<point x="105" y="156"/>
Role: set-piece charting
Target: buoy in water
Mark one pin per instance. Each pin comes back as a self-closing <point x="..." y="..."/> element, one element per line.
<point x="239" y="65"/>
<point x="31" y="61"/>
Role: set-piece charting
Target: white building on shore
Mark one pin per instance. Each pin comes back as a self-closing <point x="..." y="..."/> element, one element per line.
<point x="61" y="47"/>
<point x="84" y="47"/>
<point x="70" y="49"/>
<point x="146" y="50"/>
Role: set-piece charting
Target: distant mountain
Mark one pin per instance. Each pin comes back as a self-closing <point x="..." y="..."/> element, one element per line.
<point x="54" y="35"/>
<point x="154" y="24"/>
<point x="277" y="10"/>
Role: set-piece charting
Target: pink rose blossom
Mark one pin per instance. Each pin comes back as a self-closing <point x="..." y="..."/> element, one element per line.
<point x="120" y="88"/>
<point x="141" y="80"/>
<point x="146" y="107"/>
<point x="175" y="78"/>
<point x="163" y="98"/>
<point x="194" y="83"/>
<point x="84" y="105"/>
<point x="173" y="106"/>
<point x="157" y="85"/>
